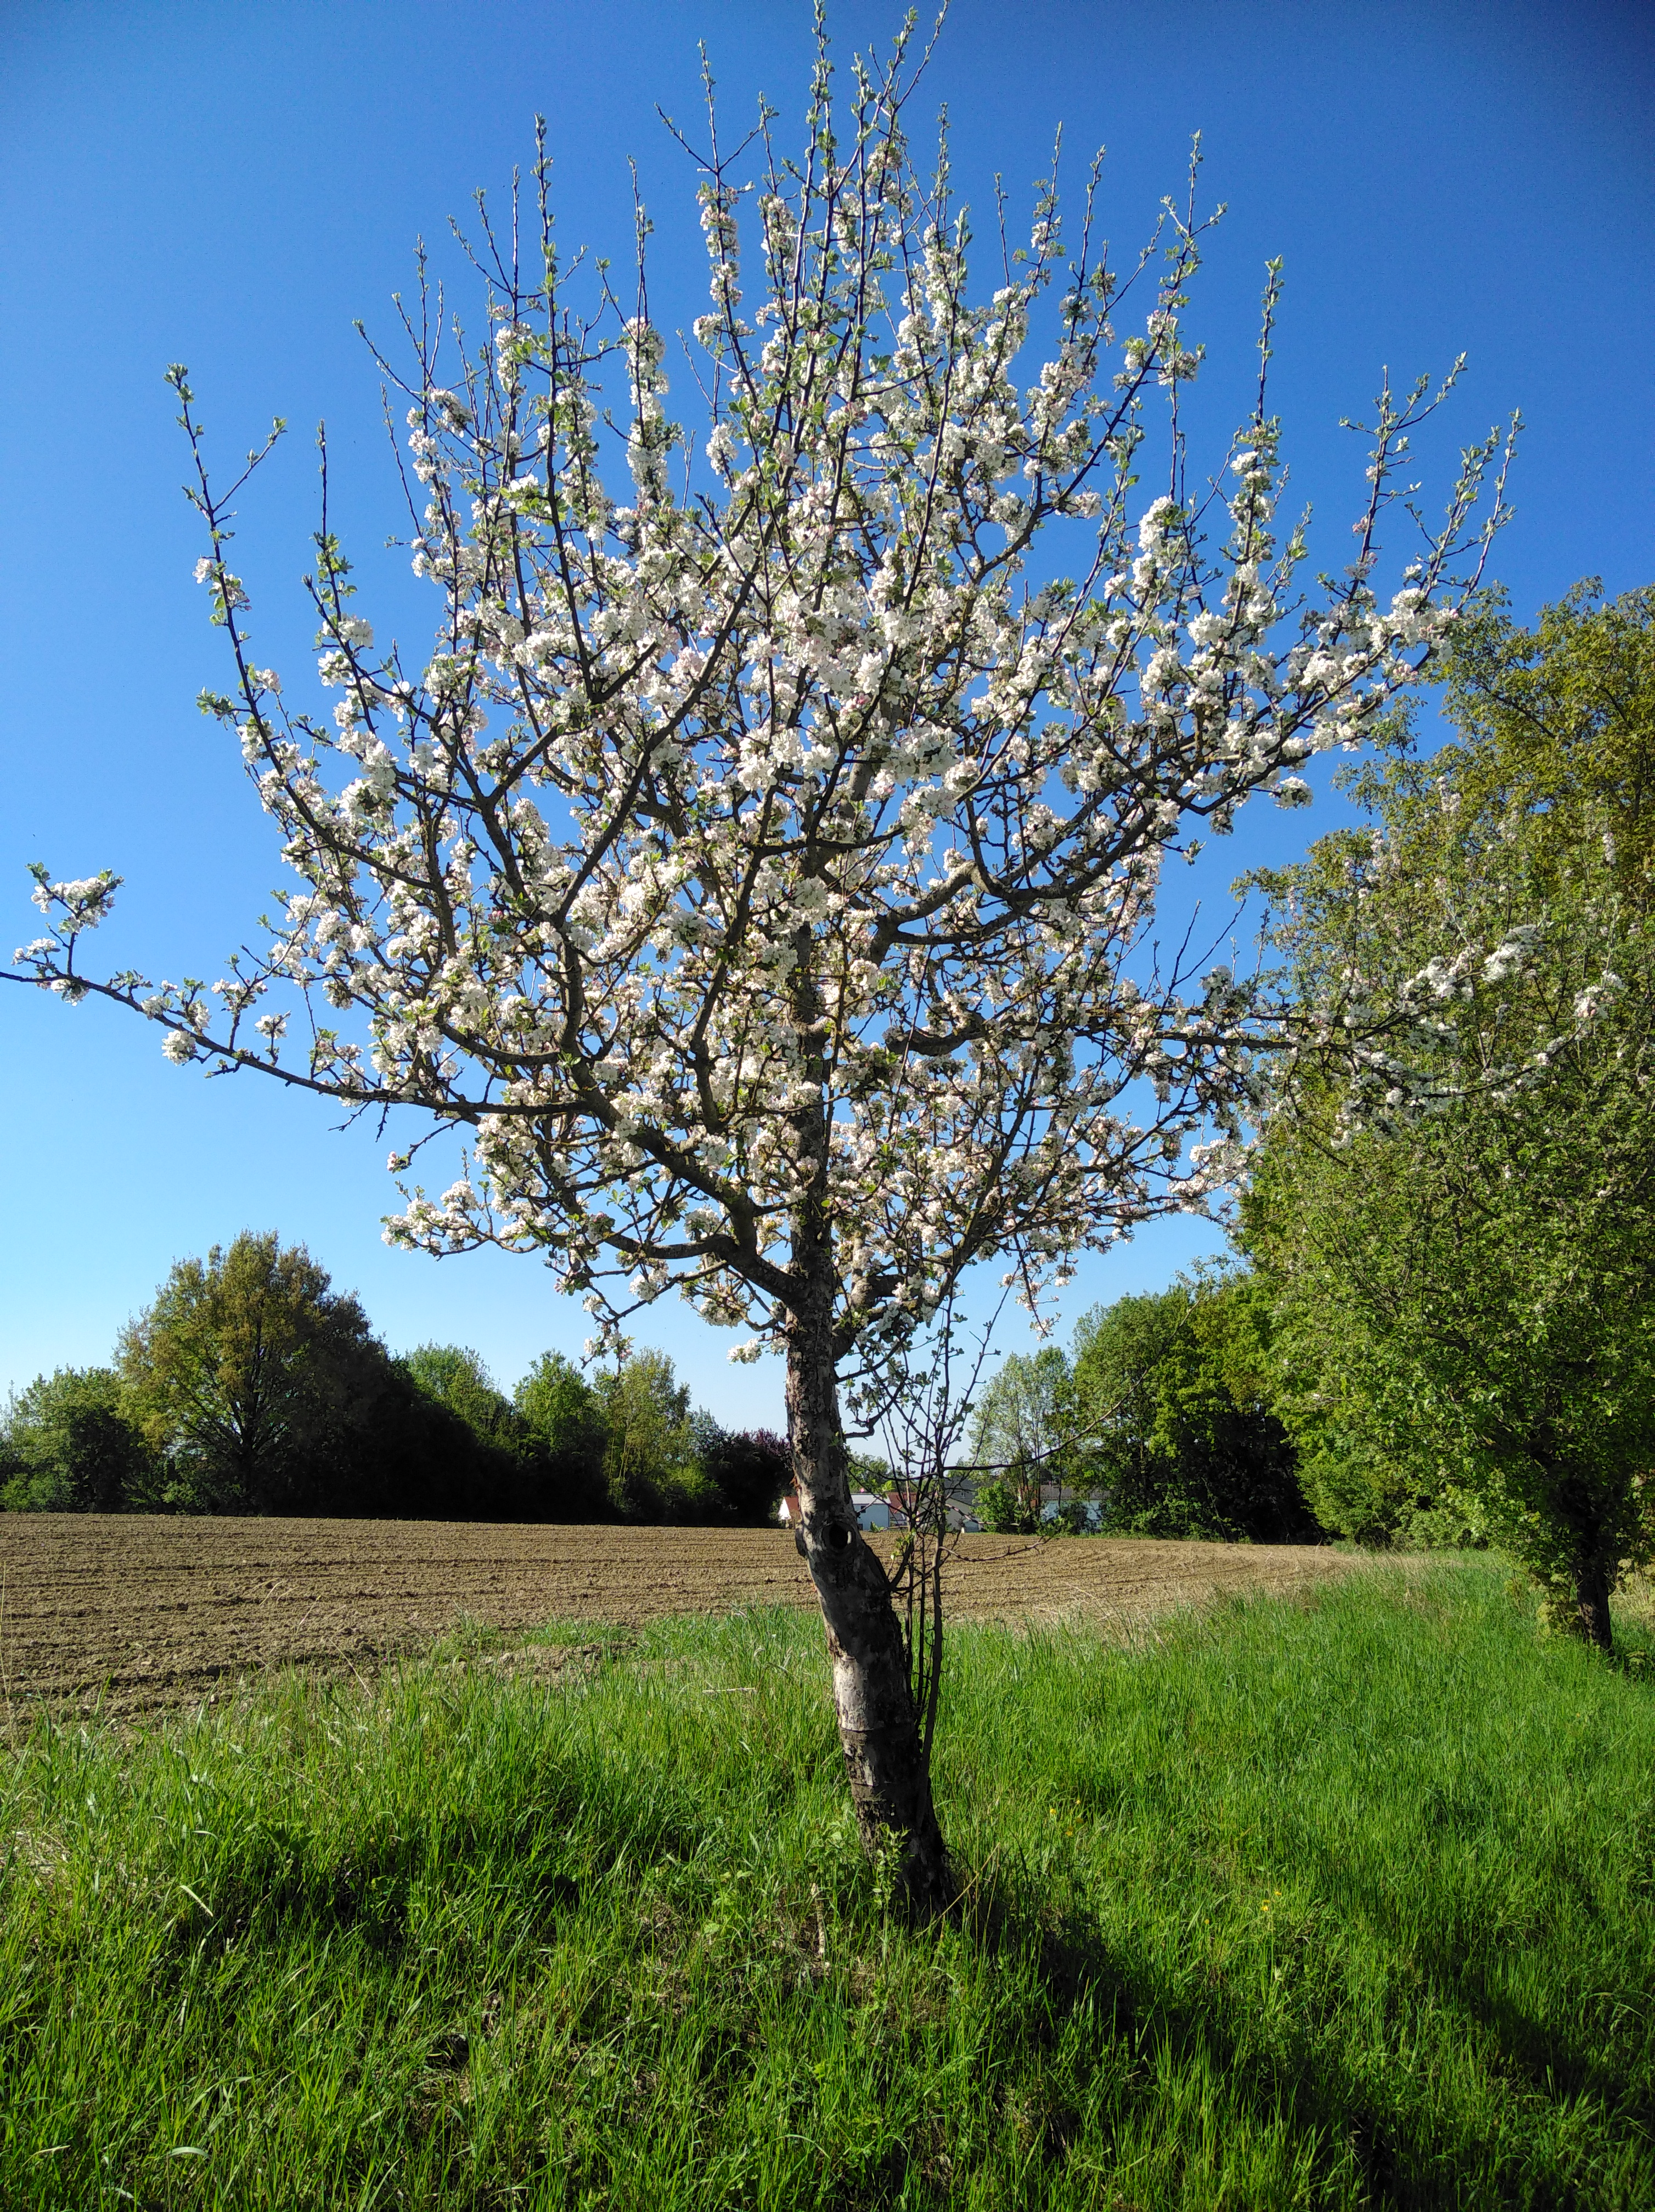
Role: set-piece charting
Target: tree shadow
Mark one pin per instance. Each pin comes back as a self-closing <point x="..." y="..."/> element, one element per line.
<point x="1398" y="2158"/>
<point x="563" y="1848"/>
<point x="1551" y="2057"/>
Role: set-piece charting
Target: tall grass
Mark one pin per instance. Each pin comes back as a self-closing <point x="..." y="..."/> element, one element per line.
<point x="1341" y="1904"/>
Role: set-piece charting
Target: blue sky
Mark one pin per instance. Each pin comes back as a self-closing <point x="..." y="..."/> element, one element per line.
<point x="231" y="186"/>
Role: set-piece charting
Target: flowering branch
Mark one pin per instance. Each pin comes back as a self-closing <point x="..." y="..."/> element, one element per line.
<point x="776" y="853"/>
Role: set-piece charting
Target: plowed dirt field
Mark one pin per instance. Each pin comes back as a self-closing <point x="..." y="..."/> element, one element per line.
<point x="133" y="1614"/>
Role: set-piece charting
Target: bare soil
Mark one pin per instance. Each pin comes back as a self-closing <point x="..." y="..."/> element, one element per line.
<point x="134" y="1613"/>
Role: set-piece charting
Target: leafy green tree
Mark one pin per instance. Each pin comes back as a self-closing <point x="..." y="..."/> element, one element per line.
<point x="1469" y="1312"/>
<point x="569" y="1438"/>
<point x="651" y="1464"/>
<point x="68" y="1444"/>
<point x="256" y="1380"/>
<point x="508" y="1474"/>
<point x="1173" y="1395"/>
<point x="1462" y="1236"/>
<point x="1006" y="1506"/>
<point x="1558" y="721"/>
<point x="1023" y="1431"/>
<point x="457" y="1378"/>
<point x="869" y="1471"/>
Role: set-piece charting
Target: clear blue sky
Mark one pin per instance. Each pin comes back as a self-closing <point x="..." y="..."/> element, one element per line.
<point x="230" y="185"/>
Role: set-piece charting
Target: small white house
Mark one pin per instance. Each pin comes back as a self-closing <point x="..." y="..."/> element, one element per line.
<point x="1054" y="1499"/>
<point x="959" y="1504"/>
<point x="872" y="1510"/>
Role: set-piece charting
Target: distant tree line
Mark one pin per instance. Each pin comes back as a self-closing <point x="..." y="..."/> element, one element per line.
<point x="250" y="1385"/>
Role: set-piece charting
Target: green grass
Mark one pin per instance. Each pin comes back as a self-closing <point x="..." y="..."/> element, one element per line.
<point x="1344" y="1904"/>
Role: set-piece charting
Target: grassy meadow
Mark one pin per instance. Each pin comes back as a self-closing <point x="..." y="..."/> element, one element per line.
<point x="1342" y="1902"/>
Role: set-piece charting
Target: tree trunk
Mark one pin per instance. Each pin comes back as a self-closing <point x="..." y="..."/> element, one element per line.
<point x="884" y="1759"/>
<point x="1592" y="1588"/>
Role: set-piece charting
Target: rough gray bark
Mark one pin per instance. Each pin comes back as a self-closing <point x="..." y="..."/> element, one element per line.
<point x="886" y="1762"/>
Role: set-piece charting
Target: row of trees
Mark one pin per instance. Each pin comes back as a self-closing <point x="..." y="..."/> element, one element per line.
<point x="252" y="1386"/>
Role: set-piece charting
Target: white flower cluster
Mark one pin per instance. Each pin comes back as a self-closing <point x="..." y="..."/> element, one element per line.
<point x="1514" y="956"/>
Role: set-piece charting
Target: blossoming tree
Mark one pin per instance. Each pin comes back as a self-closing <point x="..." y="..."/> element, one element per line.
<point x="760" y="867"/>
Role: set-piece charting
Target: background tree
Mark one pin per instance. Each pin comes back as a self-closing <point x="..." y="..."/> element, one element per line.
<point x="1462" y="1237"/>
<point x="264" y="1390"/>
<point x="652" y="1466"/>
<point x="567" y="1435"/>
<point x="506" y="1480"/>
<point x="459" y="1379"/>
<point x="869" y="1471"/>
<point x="1022" y="1436"/>
<point x="252" y="1377"/>
<point x="68" y="1444"/>
<point x="1558" y="722"/>
<point x="763" y="865"/>
<point x="1173" y="1399"/>
<point x="751" y="1469"/>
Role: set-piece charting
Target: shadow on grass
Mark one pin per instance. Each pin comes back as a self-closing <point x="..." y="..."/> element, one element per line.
<point x="545" y="1861"/>
<point x="1089" y="2029"/>
<point x="1411" y="2160"/>
<point x="1557" y="2065"/>
<point x="554" y="1858"/>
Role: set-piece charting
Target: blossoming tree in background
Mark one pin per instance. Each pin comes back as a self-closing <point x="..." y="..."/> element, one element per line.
<point x="760" y="868"/>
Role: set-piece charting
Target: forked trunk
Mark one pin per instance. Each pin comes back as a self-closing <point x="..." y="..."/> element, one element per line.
<point x="885" y="1757"/>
